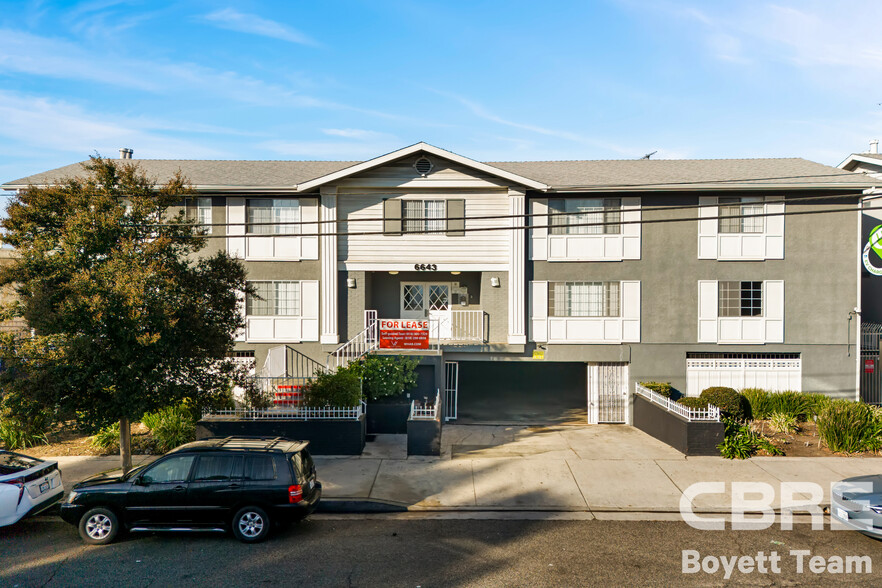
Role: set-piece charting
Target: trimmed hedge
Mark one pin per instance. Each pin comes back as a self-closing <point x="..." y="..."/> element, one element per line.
<point x="729" y="401"/>
<point x="663" y="388"/>
<point x="693" y="402"/>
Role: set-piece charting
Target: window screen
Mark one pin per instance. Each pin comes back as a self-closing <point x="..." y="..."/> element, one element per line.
<point x="267" y="216"/>
<point x="584" y="299"/>
<point x="573" y="216"/>
<point x="273" y="299"/>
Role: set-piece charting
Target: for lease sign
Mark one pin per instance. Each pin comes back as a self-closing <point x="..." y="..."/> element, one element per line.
<point x="404" y="334"/>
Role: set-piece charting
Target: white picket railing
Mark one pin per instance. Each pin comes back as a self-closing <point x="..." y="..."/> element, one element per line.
<point x="711" y="413"/>
<point x="299" y="413"/>
<point x="461" y="326"/>
<point x="427" y="412"/>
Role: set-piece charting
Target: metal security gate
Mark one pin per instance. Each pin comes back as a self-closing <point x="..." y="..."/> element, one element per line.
<point x="451" y="389"/>
<point x="607" y="393"/>
<point x="871" y="377"/>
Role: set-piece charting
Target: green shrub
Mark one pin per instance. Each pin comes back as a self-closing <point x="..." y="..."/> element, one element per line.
<point x="729" y="401"/>
<point x="171" y="426"/>
<point x="850" y="427"/>
<point x="741" y="443"/>
<point x="816" y="404"/>
<point x="22" y="431"/>
<point x="783" y="423"/>
<point x="693" y="402"/>
<point x="385" y="375"/>
<point x="663" y="388"/>
<point x="759" y="401"/>
<point x="106" y="438"/>
<point x="341" y="389"/>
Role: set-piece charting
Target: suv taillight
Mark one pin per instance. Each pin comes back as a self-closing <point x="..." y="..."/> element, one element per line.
<point x="21" y="485"/>
<point x="295" y="493"/>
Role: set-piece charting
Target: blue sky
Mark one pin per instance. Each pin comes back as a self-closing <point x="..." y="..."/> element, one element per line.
<point x="492" y="80"/>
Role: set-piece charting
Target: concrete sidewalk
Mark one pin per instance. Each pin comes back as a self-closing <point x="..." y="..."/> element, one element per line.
<point x="599" y="468"/>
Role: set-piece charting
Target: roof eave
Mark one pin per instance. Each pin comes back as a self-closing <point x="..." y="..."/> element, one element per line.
<point x="416" y="148"/>
<point x="711" y="187"/>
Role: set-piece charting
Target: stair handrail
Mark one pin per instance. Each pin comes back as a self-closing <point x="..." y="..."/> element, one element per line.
<point x="356" y="348"/>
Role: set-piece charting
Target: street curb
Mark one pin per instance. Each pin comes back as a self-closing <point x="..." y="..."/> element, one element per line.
<point x="359" y="506"/>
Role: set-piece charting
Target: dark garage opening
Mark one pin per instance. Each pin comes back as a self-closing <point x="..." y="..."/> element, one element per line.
<point x="522" y="393"/>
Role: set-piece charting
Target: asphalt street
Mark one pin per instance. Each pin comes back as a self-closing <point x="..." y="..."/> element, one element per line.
<point x="388" y="551"/>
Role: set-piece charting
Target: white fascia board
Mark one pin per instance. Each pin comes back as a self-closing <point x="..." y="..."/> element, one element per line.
<point x="857" y="157"/>
<point x="725" y="187"/>
<point x="416" y="148"/>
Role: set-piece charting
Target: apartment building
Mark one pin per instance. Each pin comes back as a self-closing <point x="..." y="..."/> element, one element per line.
<point x="548" y="288"/>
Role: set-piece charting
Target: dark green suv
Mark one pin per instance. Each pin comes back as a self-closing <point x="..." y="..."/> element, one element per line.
<point x="243" y="484"/>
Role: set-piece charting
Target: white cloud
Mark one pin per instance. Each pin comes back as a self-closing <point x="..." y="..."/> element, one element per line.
<point x="334" y="150"/>
<point x="353" y="133"/>
<point x="233" y="20"/>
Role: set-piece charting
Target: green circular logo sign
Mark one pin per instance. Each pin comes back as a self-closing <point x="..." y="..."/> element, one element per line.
<point x="874" y="243"/>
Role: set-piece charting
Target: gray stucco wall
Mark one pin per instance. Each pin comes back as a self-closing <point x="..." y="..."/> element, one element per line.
<point x="820" y="283"/>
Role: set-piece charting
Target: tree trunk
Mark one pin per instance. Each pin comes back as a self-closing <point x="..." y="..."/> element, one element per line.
<point x="125" y="445"/>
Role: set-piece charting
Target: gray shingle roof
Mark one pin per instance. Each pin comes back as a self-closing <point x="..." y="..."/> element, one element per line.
<point x="597" y="175"/>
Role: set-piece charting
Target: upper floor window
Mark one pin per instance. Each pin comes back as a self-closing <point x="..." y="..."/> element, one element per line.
<point x="420" y="216"/>
<point x="199" y="211"/>
<point x="740" y="299"/>
<point x="273" y="216"/>
<point x="273" y="299"/>
<point x="574" y="216"/>
<point x="733" y="211"/>
<point x="581" y="299"/>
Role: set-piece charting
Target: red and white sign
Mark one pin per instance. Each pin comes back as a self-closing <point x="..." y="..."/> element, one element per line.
<point x="404" y="334"/>
<point x="869" y="366"/>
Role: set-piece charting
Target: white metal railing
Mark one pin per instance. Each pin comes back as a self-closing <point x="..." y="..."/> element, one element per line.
<point x="461" y="326"/>
<point x="362" y="344"/>
<point x="427" y="412"/>
<point x="300" y="413"/>
<point x="711" y="413"/>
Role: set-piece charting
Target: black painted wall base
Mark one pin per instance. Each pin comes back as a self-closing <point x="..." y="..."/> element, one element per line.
<point x="690" y="438"/>
<point x="326" y="437"/>
<point x="424" y="437"/>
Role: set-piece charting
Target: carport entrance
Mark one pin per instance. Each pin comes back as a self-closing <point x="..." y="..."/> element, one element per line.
<point x="521" y="392"/>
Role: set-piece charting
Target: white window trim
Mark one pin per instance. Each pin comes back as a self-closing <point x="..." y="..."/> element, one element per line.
<point x="271" y="247"/>
<point x="713" y="328"/>
<point x="624" y="328"/>
<point x="768" y="244"/>
<point x="288" y="328"/>
<point x="600" y="247"/>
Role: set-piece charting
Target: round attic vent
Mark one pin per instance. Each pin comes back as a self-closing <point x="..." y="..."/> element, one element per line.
<point x="423" y="165"/>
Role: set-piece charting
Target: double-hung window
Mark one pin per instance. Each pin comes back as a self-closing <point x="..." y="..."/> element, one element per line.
<point x="421" y="216"/>
<point x="733" y="211"/>
<point x="199" y="211"/>
<point x="577" y="216"/>
<point x="738" y="299"/>
<point x="273" y="299"/>
<point x="273" y="216"/>
<point x="584" y="299"/>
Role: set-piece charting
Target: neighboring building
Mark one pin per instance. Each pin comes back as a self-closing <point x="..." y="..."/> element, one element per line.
<point x="8" y="294"/>
<point x="677" y="285"/>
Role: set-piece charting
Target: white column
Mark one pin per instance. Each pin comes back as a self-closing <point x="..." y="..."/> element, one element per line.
<point x="328" y="252"/>
<point x="517" y="285"/>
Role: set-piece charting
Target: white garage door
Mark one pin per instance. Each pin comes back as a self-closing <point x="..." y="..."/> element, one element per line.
<point x="770" y="371"/>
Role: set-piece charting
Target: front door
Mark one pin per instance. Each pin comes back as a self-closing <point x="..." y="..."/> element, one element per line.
<point x="428" y="301"/>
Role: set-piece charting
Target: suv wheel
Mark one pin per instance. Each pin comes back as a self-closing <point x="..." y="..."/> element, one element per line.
<point x="99" y="526"/>
<point x="251" y="524"/>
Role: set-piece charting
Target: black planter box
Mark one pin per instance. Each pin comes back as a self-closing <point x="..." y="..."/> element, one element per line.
<point x="326" y="437"/>
<point x="384" y="418"/>
<point x="690" y="438"/>
<point x="423" y="437"/>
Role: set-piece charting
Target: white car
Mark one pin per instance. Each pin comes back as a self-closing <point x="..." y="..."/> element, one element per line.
<point x="28" y="486"/>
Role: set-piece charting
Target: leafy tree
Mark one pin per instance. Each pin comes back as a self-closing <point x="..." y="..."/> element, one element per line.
<point x="127" y="317"/>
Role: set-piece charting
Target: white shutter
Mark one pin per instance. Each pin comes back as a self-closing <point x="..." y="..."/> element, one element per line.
<point x="775" y="230"/>
<point x="631" y="232"/>
<point x="539" y="311"/>
<point x="539" y="235"/>
<point x="773" y="310"/>
<point x="236" y="218"/>
<point x="707" y="227"/>
<point x="309" y="211"/>
<point x="630" y="311"/>
<point x="309" y="310"/>
<point x="707" y="311"/>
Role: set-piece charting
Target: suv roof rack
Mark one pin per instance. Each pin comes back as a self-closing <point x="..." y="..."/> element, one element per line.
<point x="270" y="445"/>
